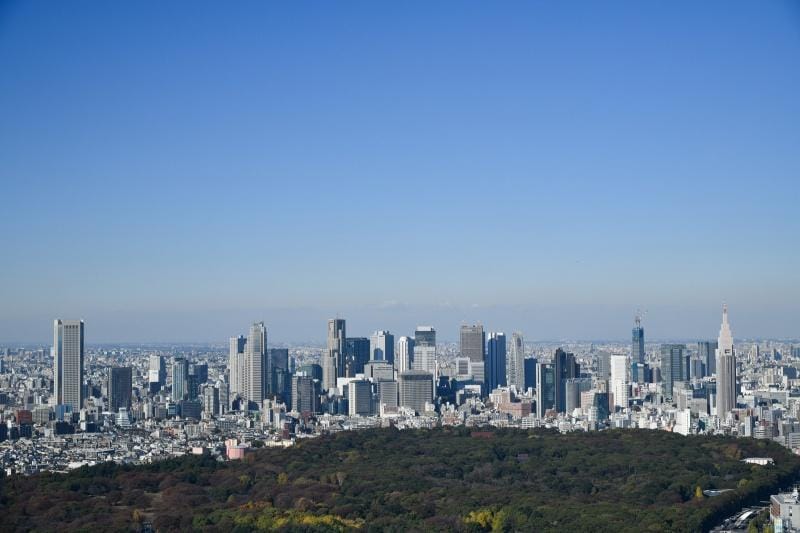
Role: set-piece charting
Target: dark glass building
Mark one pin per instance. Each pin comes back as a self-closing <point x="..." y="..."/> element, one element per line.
<point x="356" y="351"/>
<point x="495" y="370"/>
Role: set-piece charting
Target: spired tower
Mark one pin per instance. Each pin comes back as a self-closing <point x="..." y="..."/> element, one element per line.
<point x="726" y="368"/>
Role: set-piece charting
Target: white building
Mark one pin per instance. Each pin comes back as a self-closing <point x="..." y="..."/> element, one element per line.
<point x="619" y="380"/>
<point x="404" y="358"/>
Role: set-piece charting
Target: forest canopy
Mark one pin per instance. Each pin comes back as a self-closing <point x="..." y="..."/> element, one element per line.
<point x="426" y="480"/>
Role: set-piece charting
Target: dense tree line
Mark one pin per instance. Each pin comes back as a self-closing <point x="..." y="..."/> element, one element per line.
<point x="443" y="479"/>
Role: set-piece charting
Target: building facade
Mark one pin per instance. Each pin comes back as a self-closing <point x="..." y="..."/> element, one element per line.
<point x="68" y="362"/>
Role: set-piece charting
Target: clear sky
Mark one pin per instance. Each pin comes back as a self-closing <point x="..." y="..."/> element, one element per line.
<point x="175" y="170"/>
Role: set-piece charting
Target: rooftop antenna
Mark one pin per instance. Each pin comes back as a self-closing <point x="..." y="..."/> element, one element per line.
<point x="639" y="316"/>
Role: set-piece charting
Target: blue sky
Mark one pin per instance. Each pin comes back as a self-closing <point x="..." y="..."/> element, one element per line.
<point x="174" y="170"/>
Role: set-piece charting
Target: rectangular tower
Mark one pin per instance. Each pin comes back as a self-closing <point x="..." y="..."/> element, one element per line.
<point x="495" y="369"/>
<point x="68" y="357"/>
<point x="425" y="350"/>
<point x="120" y="382"/>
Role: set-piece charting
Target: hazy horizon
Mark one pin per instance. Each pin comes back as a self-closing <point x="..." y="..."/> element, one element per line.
<point x="309" y="324"/>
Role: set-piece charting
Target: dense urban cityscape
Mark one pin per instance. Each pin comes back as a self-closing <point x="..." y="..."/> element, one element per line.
<point x="67" y="405"/>
<point x="445" y="267"/>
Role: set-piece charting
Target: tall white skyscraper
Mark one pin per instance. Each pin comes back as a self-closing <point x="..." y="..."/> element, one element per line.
<point x="516" y="362"/>
<point x="68" y="363"/>
<point x="726" y="368"/>
<point x="425" y="350"/>
<point x="256" y="363"/>
<point x="404" y="358"/>
<point x="619" y="379"/>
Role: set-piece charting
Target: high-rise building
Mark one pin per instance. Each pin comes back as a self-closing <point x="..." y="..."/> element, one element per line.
<point x="473" y="342"/>
<point x="603" y="365"/>
<point x="495" y="366"/>
<point x="304" y="394"/>
<point x="673" y="367"/>
<point x="277" y="362"/>
<point x="425" y="350"/>
<point x="637" y="346"/>
<point x="707" y="352"/>
<point x="565" y="367"/>
<point x="211" y="400"/>
<point x="198" y="374"/>
<point x="253" y="381"/>
<point x="359" y="397"/>
<point x="381" y="347"/>
<point x="120" y="383"/>
<point x="236" y="364"/>
<point x="545" y="388"/>
<point x="357" y="352"/>
<point x="68" y="339"/>
<point x="180" y="379"/>
<point x="574" y="388"/>
<point x="404" y="358"/>
<point x="416" y="389"/>
<point x="279" y="358"/>
<point x="619" y="380"/>
<point x="516" y="362"/>
<point x="388" y="394"/>
<point x="379" y="370"/>
<point x="157" y="373"/>
<point x="726" y="368"/>
<point x="333" y="362"/>
<point x="530" y="373"/>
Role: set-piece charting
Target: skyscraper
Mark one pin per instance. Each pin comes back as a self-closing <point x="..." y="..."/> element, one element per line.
<point x="359" y="397"/>
<point x="279" y="358"/>
<point x="473" y="342"/>
<point x="495" y="369"/>
<point x="603" y="365"/>
<point x="516" y="362"/>
<point x="333" y="362"/>
<point x="404" y="358"/>
<point x="637" y="347"/>
<point x="530" y="373"/>
<point x="425" y="350"/>
<point x="726" y="368"/>
<point x="304" y="394"/>
<point x="256" y="363"/>
<point x="565" y="368"/>
<point x="357" y="354"/>
<point x="619" y="380"/>
<point x="157" y="373"/>
<point x="381" y="347"/>
<point x="180" y="379"/>
<point x="119" y="388"/>
<point x="236" y="361"/>
<point x="545" y="388"/>
<point x="673" y="367"/>
<point x="68" y="363"/>
<point x="707" y="352"/>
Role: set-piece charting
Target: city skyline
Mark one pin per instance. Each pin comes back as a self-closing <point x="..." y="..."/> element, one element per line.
<point x="555" y="167"/>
